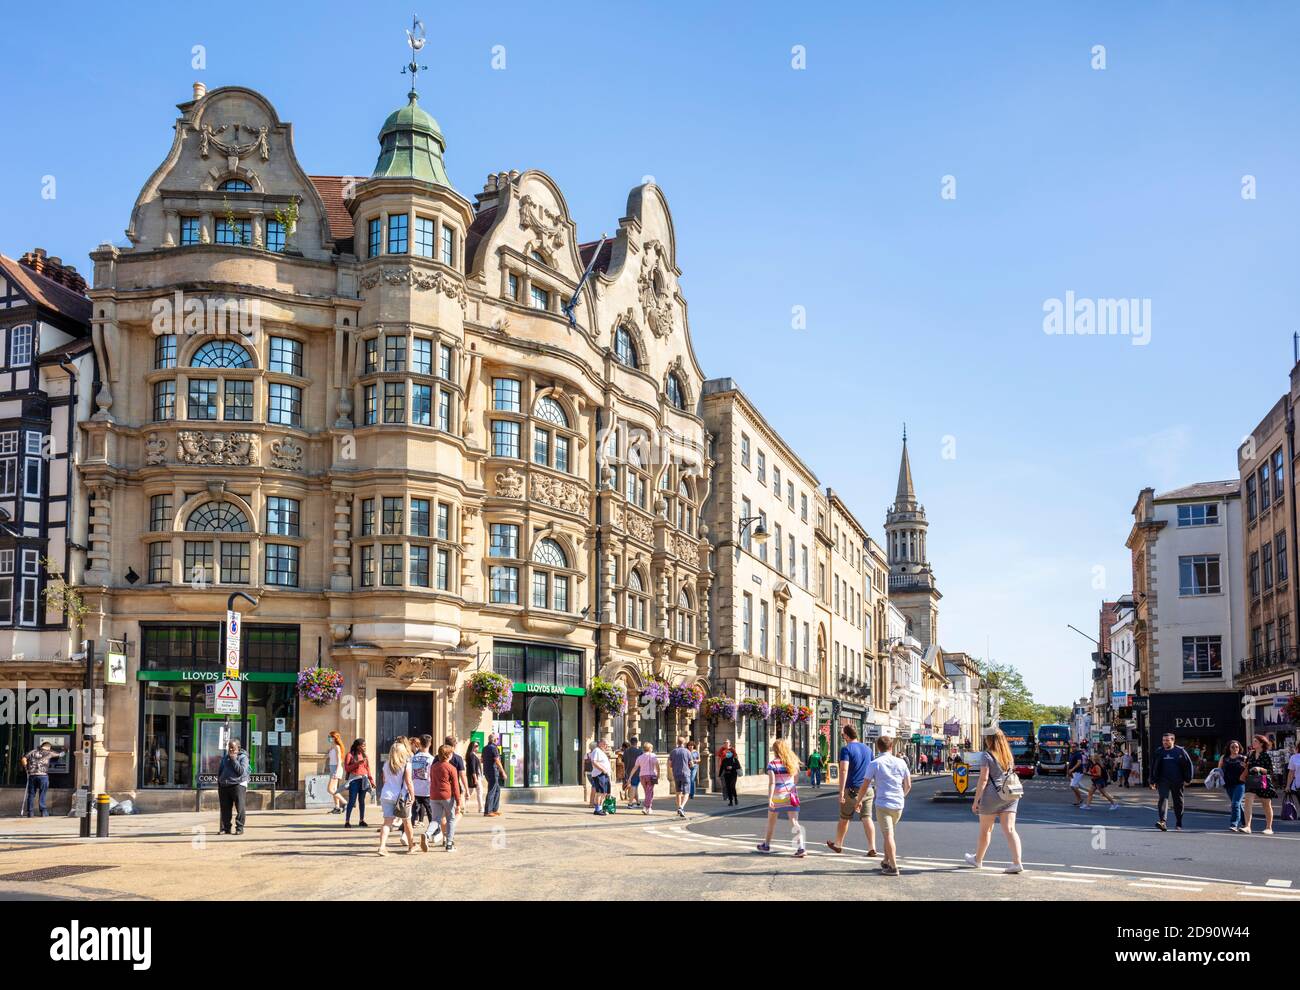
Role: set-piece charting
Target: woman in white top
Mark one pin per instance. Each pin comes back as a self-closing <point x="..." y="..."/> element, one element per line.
<point x="397" y="795"/>
<point x="334" y="767"/>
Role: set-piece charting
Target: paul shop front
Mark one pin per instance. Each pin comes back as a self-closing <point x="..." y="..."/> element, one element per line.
<point x="1203" y="723"/>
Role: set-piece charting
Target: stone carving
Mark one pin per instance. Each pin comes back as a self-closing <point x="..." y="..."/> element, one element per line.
<point x="559" y="494"/>
<point x="286" y="454"/>
<point x="408" y="669"/>
<point x="235" y="449"/>
<point x="436" y="282"/>
<point x="634" y="524"/>
<point x="685" y="548"/>
<point x="510" y="484"/>
<point x="234" y="150"/>
<point x="548" y="226"/>
<point x="652" y="284"/>
<point x="155" y="450"/>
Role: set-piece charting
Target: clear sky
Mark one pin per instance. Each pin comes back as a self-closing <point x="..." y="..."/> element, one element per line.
<point x="820" y="187"/>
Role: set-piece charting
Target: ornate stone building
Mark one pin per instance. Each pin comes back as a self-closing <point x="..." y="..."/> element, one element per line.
<point x="417" y="437"/>
<point x="912" y="585"/>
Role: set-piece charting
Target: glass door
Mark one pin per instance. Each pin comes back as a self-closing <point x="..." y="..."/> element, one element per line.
<point x="214" y="733"/>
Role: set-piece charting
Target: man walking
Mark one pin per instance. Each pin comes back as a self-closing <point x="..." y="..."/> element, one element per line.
<point x="892" y="784"/>
<point x="1171" y="771"/>
<point x="458" y="762"/>
<point x="493" y="774"/>
<point x="421" y="763"/>
<point x="631" y="778"/>
<point x="600" y="774"/>
<point x="37" y="765"/>
<point x="680" y="762"/>
<point x="855" y="795"/>
<point x="1077" y="771"/>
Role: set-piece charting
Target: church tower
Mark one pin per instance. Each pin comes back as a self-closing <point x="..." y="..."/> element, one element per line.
<point x="911" y="582"/>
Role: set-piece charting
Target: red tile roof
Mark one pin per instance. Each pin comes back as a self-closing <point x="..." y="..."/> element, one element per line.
<point x="45" y="292"/>
<point x="331" y="189"/>
<point x="602" y="263"/>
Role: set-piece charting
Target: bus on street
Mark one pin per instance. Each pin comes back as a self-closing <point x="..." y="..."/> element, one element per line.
<point x="1053" y="748"/>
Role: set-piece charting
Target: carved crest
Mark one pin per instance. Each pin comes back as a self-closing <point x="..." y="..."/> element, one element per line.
<point x="155" y="450"/>
<point x="286" y="454"/>
<point x="235" y="449"/>
<point x="510" y="484"/>
<point x="652" y="285"/>
<point x="547" y="225"/>
<point x="232" y="150"/>
<point x="408" y="669"/>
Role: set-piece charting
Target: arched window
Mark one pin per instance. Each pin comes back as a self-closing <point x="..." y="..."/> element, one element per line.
<point x="548" y="409"/>
<point x="634" y="481"/>
<point x="676" y="394"/>
<point x="234" y="185"/>
<point x="685" y="507"/>
<point x="685" y="617"/>
<point x="624" y="349"/>
<point x="552" y="443"/>
<point x="217" y="517"/>
<point x="550" y="589"/>
<point x="636" y="606"/>
<point x="221" y="354"/>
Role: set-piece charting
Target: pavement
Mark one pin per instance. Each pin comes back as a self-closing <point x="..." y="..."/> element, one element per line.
<point x="556" y="851"/>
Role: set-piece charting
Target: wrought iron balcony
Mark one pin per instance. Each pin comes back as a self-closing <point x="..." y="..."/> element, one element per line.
<point x="1268" y="661"/>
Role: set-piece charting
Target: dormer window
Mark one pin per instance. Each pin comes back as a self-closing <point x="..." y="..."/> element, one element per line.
<point x="234" y="185"/>
<point x="676" y="394"/>
<point x="274" y="235"/>
<point x="191" y="231"/>
<point x="624" y="349"/>
<point x="236" y="231"/>
<point x="541" y="299"/>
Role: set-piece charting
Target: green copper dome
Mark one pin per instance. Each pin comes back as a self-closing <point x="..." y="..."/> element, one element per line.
<point x="411" y="146"/>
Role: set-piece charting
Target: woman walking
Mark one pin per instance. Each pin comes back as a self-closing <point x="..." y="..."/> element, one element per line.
<point x="359" y="779"/>
<point x="694" y="747"/>
<point x="334" y="767"/>
<point x="995" y="763"/>
<point x="783" y="795"/>
<point x="1233" y="767"/>
<point x="397" y="796"/>
<point x="474" y="774"/>
<point x="729" y="768"/>
<point x="1099" y="775"/>
<point x="1259" y="784"/>
<point x="647" y="768"/>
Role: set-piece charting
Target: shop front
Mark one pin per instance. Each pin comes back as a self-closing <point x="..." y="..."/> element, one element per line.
<point x="1267" y="714"/>
<point x="542" y="734"/>
<point x="1202" y="723"/>
<point x="182" y="736"/>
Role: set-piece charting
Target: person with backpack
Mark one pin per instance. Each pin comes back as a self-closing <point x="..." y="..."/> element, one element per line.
<point x="997" y="796"/>
<point x="600" y="774"/>
<point x="783" y="795"/>
<point x="1259" y="784"/>
<point x="1171" y="771"/>
<point x="1099" y="776"/>
<point x="892" y="783"/>
<point x="421" y="762"/>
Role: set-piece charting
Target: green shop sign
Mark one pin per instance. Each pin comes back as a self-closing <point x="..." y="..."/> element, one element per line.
<point x="214" y="676"/>
<point x="522" y="687"/>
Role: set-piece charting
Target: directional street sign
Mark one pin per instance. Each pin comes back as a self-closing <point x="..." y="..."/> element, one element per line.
<point x="226" y="701"/>
<point x="232" y="645"/>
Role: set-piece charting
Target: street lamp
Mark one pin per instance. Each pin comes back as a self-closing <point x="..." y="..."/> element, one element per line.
<point x="759" y="535"/>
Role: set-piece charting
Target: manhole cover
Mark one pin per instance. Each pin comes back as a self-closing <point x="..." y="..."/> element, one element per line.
<point x="52" y="873"/>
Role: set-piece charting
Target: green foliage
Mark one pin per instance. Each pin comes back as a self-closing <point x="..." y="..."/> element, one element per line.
<point x="1017" y="701"/>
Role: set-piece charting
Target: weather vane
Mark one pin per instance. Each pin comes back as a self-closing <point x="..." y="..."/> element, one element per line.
<point x="415" y="41"/>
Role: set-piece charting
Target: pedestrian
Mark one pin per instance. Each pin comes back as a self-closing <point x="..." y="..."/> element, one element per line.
<point x="729" y="769"/>
<point x="334" y="767"/>
<point x="1099" y="778"/>
<point x="232" y="787"/>
<point x="694" y="747"/>
<point x="925" y="763"/>
<point x="600" y="773"/>
<point x="892" y="784"/>
<point x="474" y="774"/>
<point x="396" y="797"/>
<point x="815" y="769"/>
<point x="1076" y="770"/>
<point x="996" y="762"/>
<point x="647" y="769"/>
<point x="631" y="754"/>
<point x="422" y="761"/>
<point x="679" y="760"/>
<point x="1292" y="773"/>
<point x="493" y="775"/>
<point x="855" y="794"/>
<point x="37" y="765"/>
<point x="1259" y="784"/>
<point x="783" y="796"/>
<point x="456" y="759"/>
<point x="445" y="790"/>
<point x="1233" y="767"/>
<point x="1171" y="771"/>
<point x="360" y="781"/>
<point x="620" y="772"/>
<point x="1126" y="768"/>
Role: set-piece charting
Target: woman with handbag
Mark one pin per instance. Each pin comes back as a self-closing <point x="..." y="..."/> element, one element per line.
<point x="997" y="796"/>
<point x="1259" y="784"/>
<point x="356" y="765"/>
<point x="334" y="767"/>
<point x="397" y="796"/>
<point x="1232" y="765"/>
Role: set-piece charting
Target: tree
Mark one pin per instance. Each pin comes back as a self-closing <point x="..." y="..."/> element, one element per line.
<point x="1015" y="699"/>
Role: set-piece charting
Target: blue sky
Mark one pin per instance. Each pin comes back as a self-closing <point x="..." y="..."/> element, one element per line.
<point x="821" y="188"/>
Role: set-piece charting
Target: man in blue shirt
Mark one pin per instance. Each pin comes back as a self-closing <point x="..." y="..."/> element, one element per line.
<point x="1171" y="771"/>
<point x="854" y="760"/>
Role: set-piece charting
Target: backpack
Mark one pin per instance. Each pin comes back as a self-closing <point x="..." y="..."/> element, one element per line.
<point x="1094" y="771"/>
<point x="1009" y="788"/>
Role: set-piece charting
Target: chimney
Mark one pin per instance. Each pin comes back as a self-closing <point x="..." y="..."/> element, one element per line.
<point x="200" y="90"/>
<point x="53" y="269"/>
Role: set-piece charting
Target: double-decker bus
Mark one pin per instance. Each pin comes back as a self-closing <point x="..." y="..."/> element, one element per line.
<point x="1020" y="734"/>
<point x="1053" y="748"/>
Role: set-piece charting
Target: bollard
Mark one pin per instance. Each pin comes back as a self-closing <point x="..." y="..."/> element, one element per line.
<point x="101" y="816"/>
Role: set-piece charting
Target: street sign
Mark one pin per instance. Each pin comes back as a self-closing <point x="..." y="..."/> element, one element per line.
<point x="226" y="700"/>
<point x="115" y="667"/>
<point x="232" y="645"/>
<point x="961" y="777"/>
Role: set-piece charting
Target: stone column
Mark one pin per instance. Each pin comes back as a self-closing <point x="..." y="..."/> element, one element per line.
<point x="98" y="569"/>
<point x="341" y="576"/>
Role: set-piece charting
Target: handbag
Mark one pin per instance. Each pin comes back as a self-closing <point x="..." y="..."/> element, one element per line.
<point x="1256" y="780"/>
<point x="402" y="806"/>
<point x="609" y="805"/>
<point x="1289" y="811"/>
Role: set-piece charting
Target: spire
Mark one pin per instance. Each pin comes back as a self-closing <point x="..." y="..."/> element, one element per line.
<point x="906" y="493"/>
<point x="410" y="142"/>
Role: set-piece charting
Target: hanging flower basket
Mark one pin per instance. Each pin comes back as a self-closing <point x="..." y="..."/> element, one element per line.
<point x="489" y="690"/>
<point x="687" y="696"/>
<point x="784" y="714"/>
<point x="654" y="693"/>
<point x="608" y="697"/>
<point x="804" y="715"/>
<point x="754" y="708"/>
<point x="320" y="685"/>
<point x="1292" y="709"/>
<point x="719" y="709"/>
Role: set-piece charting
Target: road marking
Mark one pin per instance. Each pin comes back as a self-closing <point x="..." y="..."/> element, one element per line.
<point x="1042" y="876"/>
<point x="1276" y="895"/>
<point x="1277" y="883"/>
<point x="1165" y="878"/>
<point x="1149" y="874"/>
<point x="1168" y="886"/>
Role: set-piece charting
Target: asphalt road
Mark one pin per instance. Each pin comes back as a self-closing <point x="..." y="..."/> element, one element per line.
<point x="1058" y="839"/>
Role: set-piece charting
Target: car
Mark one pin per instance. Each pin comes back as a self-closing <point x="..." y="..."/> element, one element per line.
<point x="1024" y="771"/>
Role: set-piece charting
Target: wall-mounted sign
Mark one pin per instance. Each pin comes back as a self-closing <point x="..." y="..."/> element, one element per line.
<point x="115" y="667"/>
<point x="524" y="687"/>
<point x="226" y="700"/>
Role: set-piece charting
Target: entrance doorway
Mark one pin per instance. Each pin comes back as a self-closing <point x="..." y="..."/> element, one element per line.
<point x="400" y="713"/>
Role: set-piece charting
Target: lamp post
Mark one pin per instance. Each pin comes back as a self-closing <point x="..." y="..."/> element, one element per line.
<point x="760" y="531"/>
